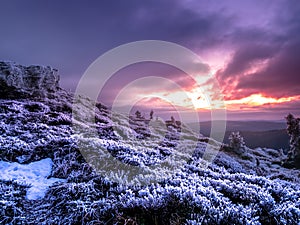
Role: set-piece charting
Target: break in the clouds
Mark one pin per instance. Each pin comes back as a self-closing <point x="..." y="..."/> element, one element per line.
<point x="130" y="74"/>
<point x="251" y="47"/>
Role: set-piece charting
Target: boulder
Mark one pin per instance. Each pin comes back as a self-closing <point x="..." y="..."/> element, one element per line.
<point x="27" y="81"/>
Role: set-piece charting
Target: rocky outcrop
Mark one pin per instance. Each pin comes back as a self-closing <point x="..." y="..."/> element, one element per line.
<point x="18" y="81"/>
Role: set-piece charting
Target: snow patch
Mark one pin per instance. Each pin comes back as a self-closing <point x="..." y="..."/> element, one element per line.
<point x="34" y="174"/>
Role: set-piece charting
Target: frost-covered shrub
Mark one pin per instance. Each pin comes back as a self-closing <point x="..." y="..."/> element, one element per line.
<point x="293" y="130"/>
<point x="12" y="196"/>
<point x="222" y="193"/>
<point x="237" y="142"/>
<point x="59" y="119"/>
<point x="34" y="107"/>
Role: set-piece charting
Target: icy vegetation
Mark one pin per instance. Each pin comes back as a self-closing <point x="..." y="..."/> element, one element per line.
<point x="240" y="187"/>
<point x="293" y="130"/>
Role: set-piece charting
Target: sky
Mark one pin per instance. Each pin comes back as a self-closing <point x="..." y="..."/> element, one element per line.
<point x="251" y="48"/>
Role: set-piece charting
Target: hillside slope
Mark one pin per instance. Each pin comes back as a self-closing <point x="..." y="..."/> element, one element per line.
<point x="234" y="189"/>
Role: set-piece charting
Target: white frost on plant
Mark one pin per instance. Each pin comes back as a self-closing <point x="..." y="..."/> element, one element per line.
<point x="34" y="174"/>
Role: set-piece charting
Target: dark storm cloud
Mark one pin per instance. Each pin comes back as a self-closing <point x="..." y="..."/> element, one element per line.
<point x="280" y="45"/>
<point x="172" y="21"/>
<point x="70" y="35"/>
<point x="246" y="56"/>
<point x="281" y="78"/>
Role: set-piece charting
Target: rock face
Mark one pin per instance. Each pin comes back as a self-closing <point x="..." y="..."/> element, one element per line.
<point x="18" y="80"/>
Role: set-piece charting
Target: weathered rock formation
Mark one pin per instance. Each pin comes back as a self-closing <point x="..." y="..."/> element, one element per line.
<point x="17" y="81"/>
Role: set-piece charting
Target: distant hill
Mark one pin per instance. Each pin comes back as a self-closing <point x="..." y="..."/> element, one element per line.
<point x="271" y="139"/>
<point x="271" y="134"/>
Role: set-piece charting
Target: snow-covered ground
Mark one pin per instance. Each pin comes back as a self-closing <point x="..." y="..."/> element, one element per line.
<point x="41" y="144"/>
<point x="33" y="174"/>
